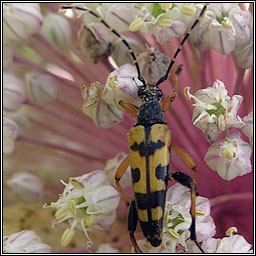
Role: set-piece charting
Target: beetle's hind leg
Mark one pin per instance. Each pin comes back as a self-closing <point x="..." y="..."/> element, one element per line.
<point x="185" y="180"/>
<point x="188" y="160"/>
<point x="132" y="224"/>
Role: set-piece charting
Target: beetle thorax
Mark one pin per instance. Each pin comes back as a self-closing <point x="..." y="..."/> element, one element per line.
<point x="150" y="111"/>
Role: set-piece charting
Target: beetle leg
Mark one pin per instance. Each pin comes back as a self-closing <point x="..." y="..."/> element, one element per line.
<point x="188" y="159"/>
<point x="119" y="174"/>
<point x="185" y="180"/>
<point x="171" y="97"/>
<point x="132" y="224"/>
<point x="129" y="108"/>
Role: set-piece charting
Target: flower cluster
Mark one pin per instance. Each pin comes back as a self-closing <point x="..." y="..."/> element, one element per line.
<point x="87" y="202"/>
<point x="215" y="112"/>
<point x="225" y="27"/>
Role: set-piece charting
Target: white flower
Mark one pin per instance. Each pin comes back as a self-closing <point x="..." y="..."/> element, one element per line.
<point x="20" y="20"/>
<point x="248" y="128"/>
<point x="25" y="241"/>
<point x="111" y="167"/>
<point x="10" y="133"/>
<point x="95" y="107"/>
<point x="57" y="30"/>
<point x="13" y="92"/>
<point x="214" y="110"/>
<point x="178" y="219"/>
<point x="87" y="202"/>
<point x="120" y="86"/>
<point x="223" y="27"/>
<point x="106" y="248"/>
<point x="41" y="88"/>
<point x="230" y="157"/>
<point x="26" y="186"/>
<point x="164" y="22"/>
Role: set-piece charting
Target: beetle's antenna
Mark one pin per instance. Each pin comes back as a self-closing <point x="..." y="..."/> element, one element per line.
<point x="183" y="41"/>
<point x="140" y="77"/>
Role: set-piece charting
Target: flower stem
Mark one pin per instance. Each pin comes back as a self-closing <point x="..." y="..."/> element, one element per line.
<point x="224" y="198"/>
<point x="54" y="146"/>
<point x="61" y="57"/>
<point x="32" y="65"/>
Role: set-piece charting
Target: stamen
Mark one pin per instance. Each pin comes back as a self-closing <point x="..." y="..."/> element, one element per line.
<point x="188" y="9"/>
<point x="72" y="207"/>
<point x="200" y="212"/>
<point x="230" y="231"/>
<point x="136" y="25"/>
<point x="226" y="25"/>
<point x="165" y="6"/>
<point x="76" y="184"/>
<point x="61" y="213"/>
<point x="229" y="151"/>
<point x="165" y="22"/>
<point x="174" y="233"/>
<point x="67" y="236"/>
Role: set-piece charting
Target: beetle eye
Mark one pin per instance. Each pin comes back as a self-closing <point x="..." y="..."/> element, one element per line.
<point x="159" y="93"/>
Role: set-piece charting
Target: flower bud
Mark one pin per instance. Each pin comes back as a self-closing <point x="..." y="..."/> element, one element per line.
<point x="103" y="114"/>
<point x="26" y="186"/>
<point x="56" y="29"/>
<point x="13" y="92"/>
<point x="229" y="157"/>
<point x="20" y="20"/>
<point x="21" y="120"/>
<point x="41" y="88"/>
<point x="10" y="133"/>
<point x="25" y="241"/>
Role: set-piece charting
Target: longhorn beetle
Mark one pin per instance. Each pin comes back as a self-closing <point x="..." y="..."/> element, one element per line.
<point x="150" y="152"/>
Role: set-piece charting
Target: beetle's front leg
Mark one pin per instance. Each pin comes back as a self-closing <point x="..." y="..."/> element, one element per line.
<point x="129" y="108"/>
<point x="185" y="180"/>
<point x="171" y="97"/>
<point x="132" y="224"/>
<point x="119" y="174"/>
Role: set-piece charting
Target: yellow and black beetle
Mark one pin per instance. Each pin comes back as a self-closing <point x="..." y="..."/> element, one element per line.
<point x="150" y="153"/>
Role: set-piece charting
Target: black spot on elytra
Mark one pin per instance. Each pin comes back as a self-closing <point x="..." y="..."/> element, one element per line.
<point x="162" y="173"/>
<point x="147" y="149"/>
<point x="135" y="175"/>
